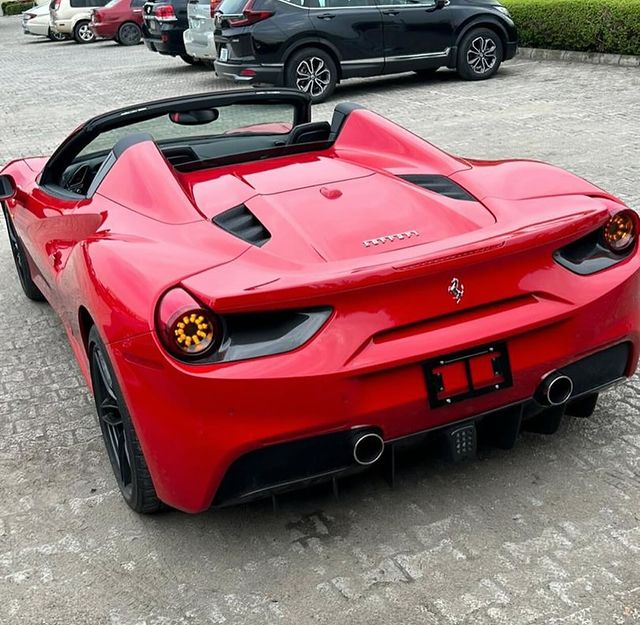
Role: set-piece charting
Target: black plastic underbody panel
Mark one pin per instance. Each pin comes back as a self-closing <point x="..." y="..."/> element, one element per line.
<point x="287" y="466"/>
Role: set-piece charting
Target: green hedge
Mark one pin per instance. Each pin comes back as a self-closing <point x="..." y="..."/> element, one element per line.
<point x="585" y="25"/>
<point x="15" y="7"/>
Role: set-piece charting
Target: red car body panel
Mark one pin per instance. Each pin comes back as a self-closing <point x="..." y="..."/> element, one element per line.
<point x="148" y="229"/>
<point x="107" y="20"/>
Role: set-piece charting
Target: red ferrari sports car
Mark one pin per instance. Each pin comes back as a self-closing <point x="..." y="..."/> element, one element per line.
<point x="259" y="301"/>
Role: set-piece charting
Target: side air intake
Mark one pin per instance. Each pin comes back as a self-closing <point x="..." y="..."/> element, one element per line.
<point x="242" y="223"/>
<point x="439" y="184"/>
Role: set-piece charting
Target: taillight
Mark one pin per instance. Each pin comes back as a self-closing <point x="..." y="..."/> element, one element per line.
<point x="56" y="5"/>
<point x="187" y="329"/>
<point x="249" y="16"/>
<point x="619" y="233"/>
<point x="213" y="6"/>
<point x="164" y="13"/>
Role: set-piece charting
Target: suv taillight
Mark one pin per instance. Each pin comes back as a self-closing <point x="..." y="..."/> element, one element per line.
<point x="213" y="6"/>
<point x="164" y="13"/>
<point x="56" y="5"/>
<point x="249" y="16"/>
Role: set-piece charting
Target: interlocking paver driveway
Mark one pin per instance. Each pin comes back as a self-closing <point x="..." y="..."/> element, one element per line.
<point x="546" y="533"/>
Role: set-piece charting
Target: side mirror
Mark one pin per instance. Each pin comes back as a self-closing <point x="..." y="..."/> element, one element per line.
<point x="7" y="187"/>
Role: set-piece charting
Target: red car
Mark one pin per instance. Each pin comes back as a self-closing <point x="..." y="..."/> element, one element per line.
<point x="120" y="20"/>
<point x="259" y="301"/>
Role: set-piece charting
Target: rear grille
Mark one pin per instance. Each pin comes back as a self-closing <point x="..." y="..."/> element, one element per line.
<point x="439" y="184"/>
<point x="242" y="223"/>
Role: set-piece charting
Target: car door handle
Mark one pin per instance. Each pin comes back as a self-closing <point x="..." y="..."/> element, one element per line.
<point x="326" y="16"/>
<point x="391" y="12"/>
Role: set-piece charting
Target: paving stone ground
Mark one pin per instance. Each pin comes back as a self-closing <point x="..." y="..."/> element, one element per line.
<point x="548" y="533"/>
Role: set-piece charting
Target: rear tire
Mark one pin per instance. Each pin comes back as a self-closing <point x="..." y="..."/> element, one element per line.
<point x="22" y="264"/>
<point x="312" y="71"/>
<point x="480" y="54"/>
<point x="189" y="59"/>
<point x="56" y="36"/>
<point x="119" y="435"/>
<point x="82" y="33"/>
<point x="129" y="34"/>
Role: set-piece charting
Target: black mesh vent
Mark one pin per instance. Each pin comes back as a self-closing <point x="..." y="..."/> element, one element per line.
<point x="439" y="184"/>
<point x="242" y="223"/>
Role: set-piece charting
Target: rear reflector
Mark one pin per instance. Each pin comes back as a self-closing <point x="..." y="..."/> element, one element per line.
<point x="248" y="72"/>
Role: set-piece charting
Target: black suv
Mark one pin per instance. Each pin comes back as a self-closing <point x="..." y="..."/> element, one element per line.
<point x="163" y="25"/>
<point x="312" y="44"/>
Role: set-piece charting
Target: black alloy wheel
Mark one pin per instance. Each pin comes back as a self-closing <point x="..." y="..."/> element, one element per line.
<point x="312" y="71"/>
<point x="22" y="264"/>
<point x="129" y="34"/>
<point x="120" y="439"/>
<point x="479" y="55"/>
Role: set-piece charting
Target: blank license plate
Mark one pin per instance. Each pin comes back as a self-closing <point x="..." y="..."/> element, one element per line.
<point x="224" y="54"/>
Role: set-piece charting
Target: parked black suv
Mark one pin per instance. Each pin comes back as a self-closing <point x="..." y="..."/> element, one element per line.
<point x="313" y="44"/>
<point x="164" y="23"/>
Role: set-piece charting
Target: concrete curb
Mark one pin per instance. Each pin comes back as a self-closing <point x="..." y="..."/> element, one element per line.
<point x="572" y="56"/>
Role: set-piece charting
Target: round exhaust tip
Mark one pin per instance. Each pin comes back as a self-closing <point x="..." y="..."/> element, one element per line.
<point x="558" y="390"/>
<point x="368" y="448"/>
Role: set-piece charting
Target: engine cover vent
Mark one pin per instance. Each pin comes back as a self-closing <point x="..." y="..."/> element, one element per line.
<point x="439" y="184"/>
<point x="242" y="223"/>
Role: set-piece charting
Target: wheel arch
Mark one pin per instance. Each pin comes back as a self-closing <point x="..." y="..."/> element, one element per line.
<point x="483" y="21"/>
<point x="313" y="42"/>
<point x="85" y="323"/>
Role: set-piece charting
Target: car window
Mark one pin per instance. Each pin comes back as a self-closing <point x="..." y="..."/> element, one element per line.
<point x="138" y="3"/>
<point x="232" y="7"/>
<point x="337" y="4"/>
<point x="232" y="121"/>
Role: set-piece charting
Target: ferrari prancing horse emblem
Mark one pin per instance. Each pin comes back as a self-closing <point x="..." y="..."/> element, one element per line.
<point x="456" y="289"/>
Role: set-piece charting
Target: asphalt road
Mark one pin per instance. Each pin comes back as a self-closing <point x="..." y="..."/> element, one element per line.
<point x="546" y="533"/>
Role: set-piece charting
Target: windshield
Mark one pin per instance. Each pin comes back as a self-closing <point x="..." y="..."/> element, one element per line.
<point x="225" y="121"/>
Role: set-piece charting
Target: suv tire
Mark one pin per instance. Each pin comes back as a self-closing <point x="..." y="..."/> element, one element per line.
<point x="82" y="33"/>
<point x="312" y="71"/>
<point x="479" y="54"/>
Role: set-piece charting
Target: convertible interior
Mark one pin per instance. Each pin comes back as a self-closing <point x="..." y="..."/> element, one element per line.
<point x="202" y="151"/>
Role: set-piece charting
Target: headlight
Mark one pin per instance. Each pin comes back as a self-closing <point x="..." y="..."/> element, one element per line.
<point x="619" y="233"/>
<point x="503" y="10"/>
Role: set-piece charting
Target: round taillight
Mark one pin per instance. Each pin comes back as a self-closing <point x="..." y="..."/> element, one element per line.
<point x="188" y="330"/>
<point x="619" y="233"/>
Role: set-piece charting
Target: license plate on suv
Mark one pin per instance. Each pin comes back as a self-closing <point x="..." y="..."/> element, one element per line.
<point x="224" y="54"/>
<point x="463" y="375"/>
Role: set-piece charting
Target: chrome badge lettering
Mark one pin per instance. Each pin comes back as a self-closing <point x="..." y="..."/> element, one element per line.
<point x="390" y="238"/>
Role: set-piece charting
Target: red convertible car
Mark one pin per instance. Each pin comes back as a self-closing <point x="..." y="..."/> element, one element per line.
<point x="259" y="301"/>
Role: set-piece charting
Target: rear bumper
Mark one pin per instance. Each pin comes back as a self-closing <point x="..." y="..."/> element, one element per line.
<point x="250" y="72"/>
<point x="41" y="29"/>
<point x="167" y="41"/>
<point x="197" y="49"/>
<point x="195" y="423"/>
<point x="105" y="30"/>
<point x="63" y="26"/>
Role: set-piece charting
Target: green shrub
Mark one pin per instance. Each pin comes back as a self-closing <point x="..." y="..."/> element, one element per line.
<point x="15" y="7"/>
<point x="585" y="25"/>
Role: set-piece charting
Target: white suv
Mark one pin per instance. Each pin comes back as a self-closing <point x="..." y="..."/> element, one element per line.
<point x="72" y="17"/>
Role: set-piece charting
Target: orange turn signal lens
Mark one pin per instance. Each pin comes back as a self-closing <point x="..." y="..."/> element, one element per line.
<point x="619" y="233"/>
<point x="188" y="329"/>
<point x="193" y="332"/>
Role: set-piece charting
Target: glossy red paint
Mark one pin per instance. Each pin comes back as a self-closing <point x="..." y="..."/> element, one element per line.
<point x="107" y="20"/>
<point x="148" y="229"/>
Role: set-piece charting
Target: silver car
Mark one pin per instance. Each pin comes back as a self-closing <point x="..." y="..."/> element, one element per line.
<point x="198" y="38"/>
